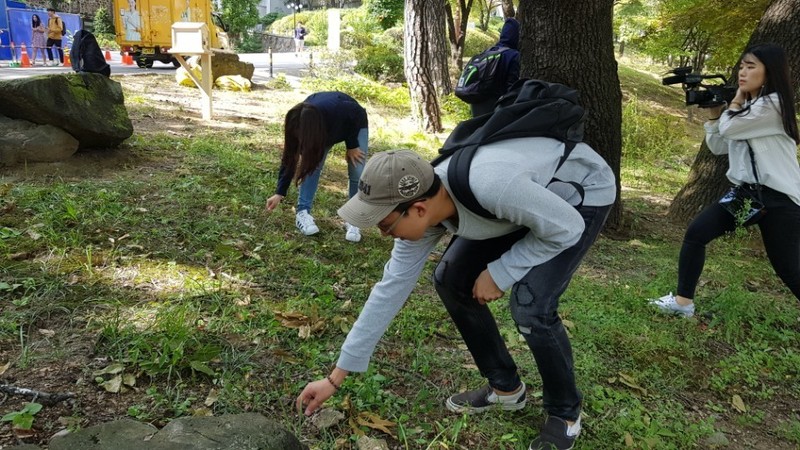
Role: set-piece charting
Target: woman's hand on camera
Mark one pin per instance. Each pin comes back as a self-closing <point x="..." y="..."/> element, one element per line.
<point x="273" y="202"/>
<point x="715" y="111"/>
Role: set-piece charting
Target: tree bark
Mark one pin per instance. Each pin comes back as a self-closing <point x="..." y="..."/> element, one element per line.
<point x="707" y="180"/>
<point x="457" y="32"/>
<point x="422" y="67"/>
<point x="574" y="46"/>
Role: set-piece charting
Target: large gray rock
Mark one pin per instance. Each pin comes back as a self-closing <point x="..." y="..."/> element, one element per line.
<point x="89" y="106"/>
<point x="249" y="431"/>
<point x="124" y="434"/>
<point x="227" y="63"/>
<point x="23" y="141"/>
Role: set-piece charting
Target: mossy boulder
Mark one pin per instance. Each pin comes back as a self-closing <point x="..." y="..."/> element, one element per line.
<point x="90" y="107"/>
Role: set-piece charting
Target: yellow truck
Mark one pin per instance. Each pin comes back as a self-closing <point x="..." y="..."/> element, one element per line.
<point x="144" y="27"/>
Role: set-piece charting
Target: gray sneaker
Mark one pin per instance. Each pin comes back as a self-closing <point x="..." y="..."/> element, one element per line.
<point x="669" y="304"/>
<point x="556" y="434"/>
<point x="485" y="398"/>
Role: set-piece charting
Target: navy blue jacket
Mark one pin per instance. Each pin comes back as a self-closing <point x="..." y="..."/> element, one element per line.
<point x="509" y="37"/>
<point x="343" y="118"/>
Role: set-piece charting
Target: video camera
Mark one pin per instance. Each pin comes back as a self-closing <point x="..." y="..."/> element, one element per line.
<point x="698" y="93"/>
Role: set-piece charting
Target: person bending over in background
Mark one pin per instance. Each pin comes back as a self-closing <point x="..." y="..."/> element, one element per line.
<point x="311" y="129"/>
<point x="758" y="132"/>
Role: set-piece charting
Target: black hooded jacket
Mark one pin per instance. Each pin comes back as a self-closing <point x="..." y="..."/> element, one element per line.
<point x="509" y="37"/>
<point x="86" y="54"/>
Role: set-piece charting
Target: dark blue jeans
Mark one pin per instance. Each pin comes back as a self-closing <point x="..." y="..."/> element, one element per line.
<point x="780" y="231"/>
<point x="534" y="307"/>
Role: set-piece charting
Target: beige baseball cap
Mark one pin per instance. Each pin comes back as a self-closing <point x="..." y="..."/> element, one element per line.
<point x="389" y="179"/>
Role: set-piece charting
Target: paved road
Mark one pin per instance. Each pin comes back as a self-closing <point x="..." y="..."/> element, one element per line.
<point x="287" y="63"/>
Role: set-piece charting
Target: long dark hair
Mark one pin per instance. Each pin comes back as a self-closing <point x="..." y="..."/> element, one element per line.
<point x="776" y="79"/>
<point x="35" y="21"/>
<point x="305" y="136"/>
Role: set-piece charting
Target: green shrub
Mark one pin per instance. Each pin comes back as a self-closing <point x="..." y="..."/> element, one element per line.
<point x="268" y="19"/>
<point x="103" y="24"/>
<point x="362" y="89"/>
<point x="107" y="41"/>
<point x="387" y="12"/>
<point x="250" y="43"/>
<point x="380" y="63"/>
<point x="478" y="41"/>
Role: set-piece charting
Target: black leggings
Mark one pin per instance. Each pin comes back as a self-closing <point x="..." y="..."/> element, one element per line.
<point x="780" y="230"/>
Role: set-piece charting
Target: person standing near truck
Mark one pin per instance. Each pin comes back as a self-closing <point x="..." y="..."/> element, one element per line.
<point x="55" y="34"/>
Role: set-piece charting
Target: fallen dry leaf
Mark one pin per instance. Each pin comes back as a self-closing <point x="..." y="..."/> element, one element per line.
<point x="371" y="420"/>
<point x="738" y="403"/>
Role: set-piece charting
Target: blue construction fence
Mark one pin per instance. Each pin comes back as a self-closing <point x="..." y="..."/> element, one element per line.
<point x="15" y="26"/>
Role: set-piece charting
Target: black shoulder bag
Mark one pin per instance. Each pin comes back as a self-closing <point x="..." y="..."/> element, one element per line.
<point x="746" y="208"/>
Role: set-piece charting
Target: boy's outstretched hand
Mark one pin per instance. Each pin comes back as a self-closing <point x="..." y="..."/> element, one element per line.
<point x="314" y="395"/>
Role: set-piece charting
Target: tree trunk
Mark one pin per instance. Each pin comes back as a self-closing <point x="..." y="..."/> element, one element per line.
<point x="439" y="48"/>
<point x="574" y="46"/>
<point x="457" y="32"/>
<point x="707" y="179"/>
<point x="421" y="64"/>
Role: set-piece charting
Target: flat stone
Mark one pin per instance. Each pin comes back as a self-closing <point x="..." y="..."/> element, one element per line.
<point x="123" y="434"/>
<point x="249" y="431"/>
<point x="23" y="141"/>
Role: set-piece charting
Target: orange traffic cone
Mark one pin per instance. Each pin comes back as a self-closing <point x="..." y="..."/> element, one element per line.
<point x="126" y="59"/>
<point x="67" y="62"/>
<point x="108" y="55"/>
<point x="26" y="62"/>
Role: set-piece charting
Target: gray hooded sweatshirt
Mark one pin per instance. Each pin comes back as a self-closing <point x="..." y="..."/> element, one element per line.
<point x="509" y="179"/>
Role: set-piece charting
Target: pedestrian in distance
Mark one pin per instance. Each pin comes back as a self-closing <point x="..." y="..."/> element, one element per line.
<point x="758" y="131"/>
<point x="532" y="247"/>
<point x="311" y="128"/>
<point x="55" y="28"/>
<point x="492" y="72"/>
<point x="300" y="33"/>
<point x="38" y="38"/>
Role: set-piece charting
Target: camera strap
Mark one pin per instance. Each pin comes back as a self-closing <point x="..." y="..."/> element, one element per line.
<point x="755" y="171"/>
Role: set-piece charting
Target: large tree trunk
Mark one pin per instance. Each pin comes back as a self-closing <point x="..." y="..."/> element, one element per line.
<point x="422" y="68"/>
<point x="707" y="180"/>
<point x="457" y="32"/>
<point x="435" y="11"/>
<point x="574" y="46"/>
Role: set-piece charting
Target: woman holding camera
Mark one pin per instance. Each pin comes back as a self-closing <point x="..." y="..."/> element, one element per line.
<point x="758" y="132"/>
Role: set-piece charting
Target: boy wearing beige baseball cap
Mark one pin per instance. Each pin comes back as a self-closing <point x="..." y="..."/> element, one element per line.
<point x="542" y="227"/>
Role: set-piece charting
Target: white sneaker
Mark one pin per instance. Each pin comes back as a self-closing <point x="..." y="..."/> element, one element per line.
<point x="305" y="223"/>
<point x="668" y="304"/>
<point x="353" y="233"/>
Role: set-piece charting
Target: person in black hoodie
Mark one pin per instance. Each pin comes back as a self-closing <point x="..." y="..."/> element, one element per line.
<point x="86" y="55"/>
<point x="509" y="64"/>
<point x="311" y="129"/>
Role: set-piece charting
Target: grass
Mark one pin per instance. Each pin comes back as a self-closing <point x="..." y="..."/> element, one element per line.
<point x="168" y="266"/>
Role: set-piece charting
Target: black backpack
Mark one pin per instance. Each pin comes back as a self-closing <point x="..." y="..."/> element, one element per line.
<point x="63" y="27"/>
<point x="86" y="55"/>
<point x="483" y="77"/>
<point x="531" y="108"/>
